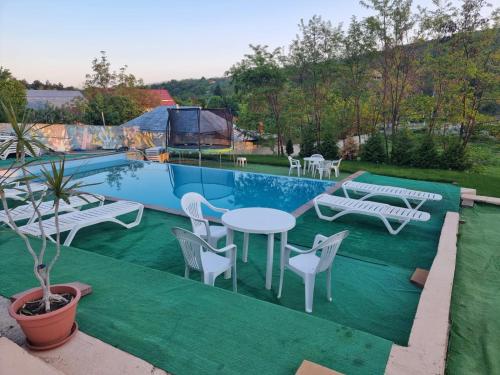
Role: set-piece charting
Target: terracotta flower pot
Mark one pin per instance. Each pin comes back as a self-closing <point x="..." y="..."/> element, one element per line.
<point x="49" y="330"/>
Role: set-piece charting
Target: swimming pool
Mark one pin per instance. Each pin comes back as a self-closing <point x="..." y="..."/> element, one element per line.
<point x="163" y="185"/>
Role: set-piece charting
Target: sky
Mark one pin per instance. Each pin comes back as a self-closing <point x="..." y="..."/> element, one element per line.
<point x="56" y="40"/>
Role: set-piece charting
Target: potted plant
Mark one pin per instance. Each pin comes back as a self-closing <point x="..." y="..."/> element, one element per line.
<point x="46" y="314"/>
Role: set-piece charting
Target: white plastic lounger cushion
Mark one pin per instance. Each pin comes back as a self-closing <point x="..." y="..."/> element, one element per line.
<point x="74" y="221"/>
<point x="26" y="211"/>
<point x="380" y="210"/>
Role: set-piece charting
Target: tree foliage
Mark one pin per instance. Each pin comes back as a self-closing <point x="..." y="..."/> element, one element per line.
<point x="259" y="77"/>
<point x="12" y="93"/>
<point x="373" y="150"/>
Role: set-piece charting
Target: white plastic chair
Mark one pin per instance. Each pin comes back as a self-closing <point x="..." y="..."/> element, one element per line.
<point x="199" y="255"/>
<point x="294" y="164"/>
<point x="336" y="166"/>
<point x="324" y="168"/>
<point x="191" y="205"/>
<point x="308" y="264"/>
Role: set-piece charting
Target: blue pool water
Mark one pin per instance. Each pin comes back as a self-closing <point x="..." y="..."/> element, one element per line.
<point x="164" y="185"/>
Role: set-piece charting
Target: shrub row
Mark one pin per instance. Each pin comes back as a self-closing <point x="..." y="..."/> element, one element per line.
<point x="407" y="150"/>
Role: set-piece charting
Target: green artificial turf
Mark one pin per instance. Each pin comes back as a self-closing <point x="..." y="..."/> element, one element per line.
<point x="370" y="277"/>
<point x="186" y="327"/>
<point x="475" y="310"/>
<point x="163" y="318"/>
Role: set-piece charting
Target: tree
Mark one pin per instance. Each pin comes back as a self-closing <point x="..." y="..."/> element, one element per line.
<point x="373" y="150"/>
<point x="259" y="77"/>
<point x="116" y="109"/>
<point x="311" y="58"/>
<point x="467" y="62"/>
<point x="393" y="23"/>
<point x="59" y="186"/>
<point x="403" y="148"/>
<point x="358" y="46"/>
<point x="329" y="148"/>
<point x="426" y="155"/>
<point x="12" y="93"/>
<point x="289" y="147"/>
<point x="102" y="77"/>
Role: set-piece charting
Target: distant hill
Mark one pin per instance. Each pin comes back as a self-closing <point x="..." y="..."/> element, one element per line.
<point x="200" y="88"/>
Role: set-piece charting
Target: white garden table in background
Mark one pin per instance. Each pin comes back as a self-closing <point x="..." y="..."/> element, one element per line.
<point x="310" y="160"/>
<point x="259" y="220"/>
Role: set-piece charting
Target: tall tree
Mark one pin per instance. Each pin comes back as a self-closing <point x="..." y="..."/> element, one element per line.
<point x="358" y="46"/>
<point x="259" y="77"/>
<point x="311" y="58"/>
<point x="466" y="61"/>
<point x="393" y="24"/>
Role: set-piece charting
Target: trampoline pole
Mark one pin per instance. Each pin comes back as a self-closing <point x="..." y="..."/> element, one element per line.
<point x="199" y="158"/>
<point x="220" y="160"/>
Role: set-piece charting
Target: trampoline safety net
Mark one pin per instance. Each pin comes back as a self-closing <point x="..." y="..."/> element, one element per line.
<point x="199" y="129"/>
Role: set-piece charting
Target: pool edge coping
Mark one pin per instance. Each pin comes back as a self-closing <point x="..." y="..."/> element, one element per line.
<point x="332" y="189"/>
<point x="428" y="342"/>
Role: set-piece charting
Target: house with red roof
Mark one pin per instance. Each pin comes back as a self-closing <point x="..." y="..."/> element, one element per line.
<point x="163" y="96"/>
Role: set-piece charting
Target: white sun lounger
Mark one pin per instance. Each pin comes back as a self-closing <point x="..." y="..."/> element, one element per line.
<point x="384" y="212"/>
<point x="74" y="221"/>
<point x="27" y="212"/>
<point x="20" y="191"/>
<point x="406" y="195"/>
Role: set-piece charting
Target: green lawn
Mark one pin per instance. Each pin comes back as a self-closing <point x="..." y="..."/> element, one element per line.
<point x="486" y="183"/>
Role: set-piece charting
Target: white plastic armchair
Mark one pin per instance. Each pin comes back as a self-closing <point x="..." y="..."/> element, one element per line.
<point x="294" y="164"/>
<point x="199" y="255"/>
<point x="191" y="204"/>
<point x="336" y="166"/>
<point x="308" y="264"/>
<point x="324" y="168"/>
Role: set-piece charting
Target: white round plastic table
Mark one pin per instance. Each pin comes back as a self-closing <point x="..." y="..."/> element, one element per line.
<point x="259" y="220"/>
<point x="311" y="160"/>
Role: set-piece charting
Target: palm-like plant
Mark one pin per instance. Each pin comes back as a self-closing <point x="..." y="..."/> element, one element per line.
<point x="59" y="187"/>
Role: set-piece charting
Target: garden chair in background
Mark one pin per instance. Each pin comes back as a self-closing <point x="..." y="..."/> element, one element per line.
<point x="336" y="166"/>
<point x="199" y="255"/>
<point x="308" y="264"/>
<point x="324" y="168"/>
<point x="294" y="164"/>
<point x="191" y="204"/>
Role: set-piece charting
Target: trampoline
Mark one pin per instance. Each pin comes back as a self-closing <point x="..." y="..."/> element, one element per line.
<point x="202" y="131"/>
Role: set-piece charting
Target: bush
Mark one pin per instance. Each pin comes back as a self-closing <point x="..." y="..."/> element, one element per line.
<point x="373" y="150"/>
<point x="308" y="145"/>
<point x="329" y="148"/>
<point x="403" y="148"/>
<point x="426" y="155"/>
<point x="289" y="147"/>
<point x="455" y="156"/>
<point x="350" y="149"/>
